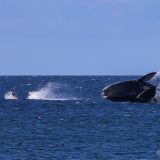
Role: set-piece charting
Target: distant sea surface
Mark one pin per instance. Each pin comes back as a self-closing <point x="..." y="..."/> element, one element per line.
<point x="64" y="118"/>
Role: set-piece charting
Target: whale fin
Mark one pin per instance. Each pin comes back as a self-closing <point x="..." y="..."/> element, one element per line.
<point x="146" y="95"/>
<point x="147" y="77"/>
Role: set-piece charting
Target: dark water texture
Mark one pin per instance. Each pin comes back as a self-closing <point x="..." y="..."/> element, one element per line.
<point x="86" y="129"/>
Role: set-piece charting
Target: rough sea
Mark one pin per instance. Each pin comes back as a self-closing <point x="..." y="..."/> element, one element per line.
<point x="64" y="118"/>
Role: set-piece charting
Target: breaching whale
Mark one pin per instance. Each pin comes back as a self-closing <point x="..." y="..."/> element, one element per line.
<point x="139" y="90"/>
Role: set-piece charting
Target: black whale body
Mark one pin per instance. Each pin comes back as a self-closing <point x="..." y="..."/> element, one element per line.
<point x="131" y="91"/>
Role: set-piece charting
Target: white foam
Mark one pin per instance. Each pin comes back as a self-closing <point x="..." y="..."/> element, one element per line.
<point x="156" y="82"/>
<point x="48" y="92"/>
<point x="44" y="93"/>
<point x="10" y="95"/>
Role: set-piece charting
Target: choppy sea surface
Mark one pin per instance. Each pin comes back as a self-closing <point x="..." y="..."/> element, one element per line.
<point x="64" y="118"/>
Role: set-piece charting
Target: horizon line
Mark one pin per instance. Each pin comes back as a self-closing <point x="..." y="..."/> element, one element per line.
<point x="71" y="75"/>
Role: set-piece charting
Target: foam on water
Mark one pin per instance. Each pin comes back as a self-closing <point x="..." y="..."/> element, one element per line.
<point x="10" y="95"/>
<point x="48" y="92"/>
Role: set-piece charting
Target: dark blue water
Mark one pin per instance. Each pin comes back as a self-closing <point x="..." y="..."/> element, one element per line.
<point x="81" y="126"/>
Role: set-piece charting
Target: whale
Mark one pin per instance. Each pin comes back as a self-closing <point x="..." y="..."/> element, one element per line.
<point x="139" y="90"/>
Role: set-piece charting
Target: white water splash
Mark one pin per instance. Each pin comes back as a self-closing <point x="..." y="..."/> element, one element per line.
<point x="48" y="92"/>
<point x="156" y="82"/>
<point x="10" y="95"/>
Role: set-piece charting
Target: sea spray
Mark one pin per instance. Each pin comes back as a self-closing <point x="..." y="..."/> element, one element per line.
<point x="51" y="91"/>
<point x="156" y="82"/>
<point x="10" y="95"/>
<point x="45" y="93"/>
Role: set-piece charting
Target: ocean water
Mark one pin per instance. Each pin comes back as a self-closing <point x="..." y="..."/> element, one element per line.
<point x="64" y="118"/>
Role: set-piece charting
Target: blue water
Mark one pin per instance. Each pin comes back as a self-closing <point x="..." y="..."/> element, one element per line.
<point x="77" y="126"/>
